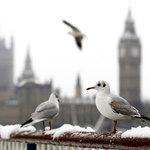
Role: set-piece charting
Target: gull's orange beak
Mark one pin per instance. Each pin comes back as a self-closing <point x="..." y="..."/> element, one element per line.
<point x="90" y="88"/>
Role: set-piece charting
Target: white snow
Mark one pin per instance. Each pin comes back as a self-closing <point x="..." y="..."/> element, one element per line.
<point x="6" y="131"/>
<point x="67" y="128"/>
<point x="0" y="127"/>
<point x="138" y="132"/>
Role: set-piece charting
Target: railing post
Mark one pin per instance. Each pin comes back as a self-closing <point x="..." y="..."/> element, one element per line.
<point x="1" y="144"/>
<point x="49" y="147"/>
<point x="25" y="146"/>
<point x="22" y="146"/>
<point x="38" y="146"/>
<point x="73" y="148"/>
<point x="9" y="146"/>
<point x="54" y="147"/>
<point x="5" y="145"/>
<point x="81" y="148"/>
<point x="60" y="148"/>
<point x="17" y="145"/>
<point x="13" y="145"/>
<point x="43" y="147"/>
<point x="67" y="148"/>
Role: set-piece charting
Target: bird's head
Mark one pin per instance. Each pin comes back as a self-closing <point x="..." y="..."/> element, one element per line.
<point x="54" y="98"/>
<point x="101" y="86"/>
<point x="84" y="36"/>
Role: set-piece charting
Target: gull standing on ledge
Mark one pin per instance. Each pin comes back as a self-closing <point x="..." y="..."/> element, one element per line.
<point x="76" y="33"/>
<point x="113" y="106"/>
<point x="46" y="111"/>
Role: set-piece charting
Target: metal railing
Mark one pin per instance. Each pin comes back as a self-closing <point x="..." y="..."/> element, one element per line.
<point x="72" y="141"/>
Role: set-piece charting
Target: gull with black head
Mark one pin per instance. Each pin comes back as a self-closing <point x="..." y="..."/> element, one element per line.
<point x="113" y="106"/>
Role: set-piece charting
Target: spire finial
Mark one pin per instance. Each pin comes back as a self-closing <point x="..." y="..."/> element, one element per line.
<point x="129" y="17"/>
<point x="129" y="12"/>
<point x="28" y="72"/>
<point x="12" y="42"/>
<point x="28" y="48"/>
<point x="129" y="26"/>
<point x="78" y="80"/>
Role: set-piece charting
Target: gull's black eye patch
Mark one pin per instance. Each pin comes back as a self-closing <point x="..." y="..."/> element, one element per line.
<point x="98" y="84"/>
<point x="104" y="85"/>
<point x="56" y="95"/>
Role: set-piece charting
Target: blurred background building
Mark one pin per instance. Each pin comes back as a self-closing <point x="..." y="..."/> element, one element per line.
<point x="130" y="63"/>
<point x="17" y="102"/>
<point x="6" y="70"/>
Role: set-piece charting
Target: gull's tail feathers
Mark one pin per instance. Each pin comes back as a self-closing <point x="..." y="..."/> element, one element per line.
<point x="142" y="118"/>
<point x="28" y="122"/>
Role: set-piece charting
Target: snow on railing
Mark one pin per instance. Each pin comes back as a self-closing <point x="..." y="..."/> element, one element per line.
<point x="70" y="137"/>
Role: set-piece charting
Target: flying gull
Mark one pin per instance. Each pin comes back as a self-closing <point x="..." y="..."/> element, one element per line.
<point x="45" y="111"/>
<point x="77" y="34"/>
<point x="113" y="106"/>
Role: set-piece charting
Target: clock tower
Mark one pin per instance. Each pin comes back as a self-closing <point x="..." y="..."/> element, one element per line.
<point x="129" y="63"/>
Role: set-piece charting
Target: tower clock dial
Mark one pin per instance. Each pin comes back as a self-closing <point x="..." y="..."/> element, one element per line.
<point x="134" y="52"/>
<point x="122" y="52"/>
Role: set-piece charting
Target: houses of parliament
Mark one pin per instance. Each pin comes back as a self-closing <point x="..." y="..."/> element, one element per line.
<point x="17" y="102"/>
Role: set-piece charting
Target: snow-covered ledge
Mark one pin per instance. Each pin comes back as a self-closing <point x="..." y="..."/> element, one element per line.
<point x="75" y="136"/>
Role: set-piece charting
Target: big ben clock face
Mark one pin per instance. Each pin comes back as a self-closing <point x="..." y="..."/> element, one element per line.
<point x="122" y="52"/>
<point x="134" y="52"/>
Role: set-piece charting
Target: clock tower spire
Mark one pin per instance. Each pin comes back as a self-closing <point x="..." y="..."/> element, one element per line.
<point x="129" y="62"/>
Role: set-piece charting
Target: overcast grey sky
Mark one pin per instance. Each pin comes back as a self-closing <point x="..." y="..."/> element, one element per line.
<point x="54" y="53"/>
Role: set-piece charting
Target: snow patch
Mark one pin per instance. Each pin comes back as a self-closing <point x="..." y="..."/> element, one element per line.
<point x="138" y="132"/>
<point x="67" y="128"/>
<point x="6" y="131"/>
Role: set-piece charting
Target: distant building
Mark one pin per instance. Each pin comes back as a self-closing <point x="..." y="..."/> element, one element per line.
<point x="6" y="70"/>
<point x="78" y="88"/>
<point x="129" y="63"/>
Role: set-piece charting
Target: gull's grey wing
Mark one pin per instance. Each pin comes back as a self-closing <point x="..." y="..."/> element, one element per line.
<point x="46" y="110"/>
<point x="46" y="114"/>
<point x="120" y="105"/>
<point x="44" y="106"/>
<point x="78" y="41"/>
<point x="73" y="27"/>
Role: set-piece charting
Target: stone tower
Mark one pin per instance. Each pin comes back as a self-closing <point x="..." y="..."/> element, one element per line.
<point x="28" y="73"/>
<point x="6" y="70"/>
<point x="129" y="61"/>
<point x="78" y="88"/>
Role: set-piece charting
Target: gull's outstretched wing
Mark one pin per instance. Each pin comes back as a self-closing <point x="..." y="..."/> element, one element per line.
<point x="78" y="41"/>
<point x="73" y="27"/>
